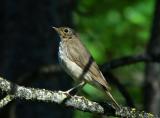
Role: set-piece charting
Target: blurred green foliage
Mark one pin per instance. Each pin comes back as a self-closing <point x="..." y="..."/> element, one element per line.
<point x="112" y="29"/>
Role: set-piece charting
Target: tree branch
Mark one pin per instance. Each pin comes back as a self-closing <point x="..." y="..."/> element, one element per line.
<point x="115" y="63"/>
<point x="115" y="81"/>
<point x="56" y="70"/>
<point x="15" y="91"/>
<point x="131" y="60"/>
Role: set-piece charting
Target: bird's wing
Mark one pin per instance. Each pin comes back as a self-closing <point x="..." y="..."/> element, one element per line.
<point x="83" y="58"/>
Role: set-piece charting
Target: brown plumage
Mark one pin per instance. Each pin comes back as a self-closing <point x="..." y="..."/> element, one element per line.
<point x="78" y="62"/>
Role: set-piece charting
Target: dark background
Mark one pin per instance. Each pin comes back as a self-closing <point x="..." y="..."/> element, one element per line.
<point x="28" y="45"/>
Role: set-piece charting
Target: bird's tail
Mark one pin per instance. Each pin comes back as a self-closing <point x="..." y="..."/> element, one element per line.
<point x="113" y="100"/>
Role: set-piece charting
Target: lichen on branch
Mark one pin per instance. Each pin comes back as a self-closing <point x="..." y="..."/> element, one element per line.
<point x="15" y="91"/>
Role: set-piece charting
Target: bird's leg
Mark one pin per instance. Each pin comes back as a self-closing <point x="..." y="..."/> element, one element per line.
<point x="80" y="85"/>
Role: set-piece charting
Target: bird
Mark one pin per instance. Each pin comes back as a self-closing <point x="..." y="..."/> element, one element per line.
<point x="78" y="62"/>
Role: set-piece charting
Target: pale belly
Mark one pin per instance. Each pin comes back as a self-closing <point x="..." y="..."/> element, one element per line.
<point x="72" y="68"/>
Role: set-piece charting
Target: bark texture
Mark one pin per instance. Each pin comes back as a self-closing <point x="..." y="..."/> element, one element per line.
<point x="152" y="79"/>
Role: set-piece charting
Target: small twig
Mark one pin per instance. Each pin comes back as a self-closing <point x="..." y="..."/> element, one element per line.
<point x="6" y="100"/>
<point x="59" y="97"/>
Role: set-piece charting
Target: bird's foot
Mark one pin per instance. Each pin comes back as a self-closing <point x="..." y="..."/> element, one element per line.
<point x="70" y="92"/>
<point x="66" y="93"/>
<point x="73" y="90"/>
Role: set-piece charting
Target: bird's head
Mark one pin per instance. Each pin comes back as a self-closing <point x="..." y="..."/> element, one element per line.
<point x="65" y="33"/>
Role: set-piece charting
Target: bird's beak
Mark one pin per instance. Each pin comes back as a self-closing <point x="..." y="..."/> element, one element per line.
<point x="55" y="28"/>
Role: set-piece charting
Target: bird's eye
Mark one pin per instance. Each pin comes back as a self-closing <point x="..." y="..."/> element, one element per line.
<point x="66" y="30"/>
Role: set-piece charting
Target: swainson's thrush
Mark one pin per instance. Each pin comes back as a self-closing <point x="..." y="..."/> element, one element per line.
<point x="78" y="62"/>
